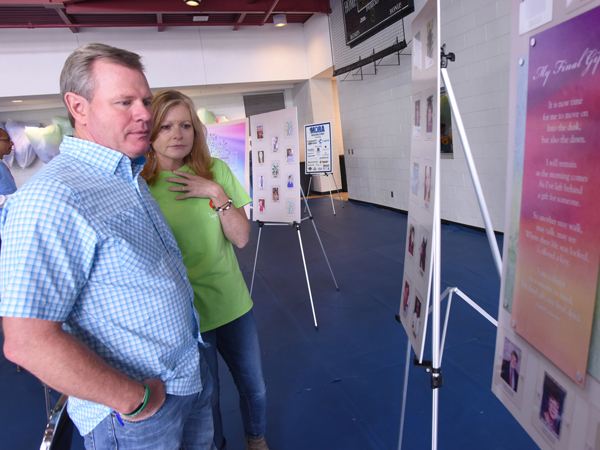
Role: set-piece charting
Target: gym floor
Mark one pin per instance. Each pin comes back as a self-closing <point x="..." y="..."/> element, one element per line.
<point x="339" y="387"/>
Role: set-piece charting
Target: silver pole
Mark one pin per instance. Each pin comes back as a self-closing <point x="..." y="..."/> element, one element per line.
<point x="437" y="242"/>
<point x="404" y="393"/>
<point x="255" y="258"/>
<point x="476" y="184"/>
<point x="307" y="279"/>
<point x="330" y="194"/>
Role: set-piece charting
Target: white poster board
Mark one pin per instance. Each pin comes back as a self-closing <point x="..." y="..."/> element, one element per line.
<point x="547" y="296"/>
<point x="275" y="166"/>
<point x="425" y="134"/>
<point x="318" y="154"/>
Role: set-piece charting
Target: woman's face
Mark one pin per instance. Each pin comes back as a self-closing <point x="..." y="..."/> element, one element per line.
<point x="176" y="138"/>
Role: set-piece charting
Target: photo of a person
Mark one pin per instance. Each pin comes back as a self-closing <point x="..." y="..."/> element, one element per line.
<point x="510" y="368"/>
<point x="288" y="128"/>
<point x="429" y="45"/>
<point x="261" y="205"/>
<point x="289" y="206"/>
<point x="290" y="155"/>
<point x="259" y="132"/>
<point x="411" y="240"/>
<point x="427" y="193"/>
<point x="423" y="254"/>
<point x="415" y="180"/>
<point x="418" y="114"/>
<point x="261" y="156"/>
<point x="275" y="194"/>
<point x="290" y="181"/>
<point x="261" y="182"/>
<point x="416" y="320"/>
<point x="275" y="144"/>
<point x="275" y="169"/>
<point x="405" y="298"/>
<point x="417" y="51"/>
<point x="430" y="114"/>
<point x="553" y="401"/>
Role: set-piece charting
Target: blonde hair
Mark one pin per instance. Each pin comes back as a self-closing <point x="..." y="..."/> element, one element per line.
<point x="199" y="158"/>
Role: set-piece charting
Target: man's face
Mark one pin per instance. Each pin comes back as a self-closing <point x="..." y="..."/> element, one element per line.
<point x="513" y="361"/>
<point x="119" y="114"/>
<point x="5" y="144"/>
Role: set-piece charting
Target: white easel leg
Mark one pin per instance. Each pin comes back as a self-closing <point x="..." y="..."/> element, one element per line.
<point x="260" y="225"/>
<point x="404" y="393"/>
<point x="338" y="191"/>
<point x="474" y="176"/>
<point x="330" y="194"/>
<point x="306" y="273"/>
<point x="319" y="238"/>
<point x="309" y="183"/>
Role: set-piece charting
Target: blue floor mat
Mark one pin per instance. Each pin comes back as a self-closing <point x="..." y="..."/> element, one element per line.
<point x="340" y="386"/>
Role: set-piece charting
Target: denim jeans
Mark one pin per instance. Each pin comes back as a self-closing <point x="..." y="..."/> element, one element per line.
<point x="237" y="343"/>
<point x="182" y="422"/>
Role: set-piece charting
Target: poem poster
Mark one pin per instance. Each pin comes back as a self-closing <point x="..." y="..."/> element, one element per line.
<point x="559" y="237"/>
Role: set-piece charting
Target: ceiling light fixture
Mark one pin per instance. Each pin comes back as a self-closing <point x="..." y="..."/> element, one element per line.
<point x="192" y="2"/>
<point x="17" y="101"/>
<point x="279" y="20"/>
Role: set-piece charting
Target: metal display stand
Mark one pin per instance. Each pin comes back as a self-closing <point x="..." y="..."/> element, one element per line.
<point x="296" y="225"/>
<point x="434" y="366"/>
<point x="329" y="188"/>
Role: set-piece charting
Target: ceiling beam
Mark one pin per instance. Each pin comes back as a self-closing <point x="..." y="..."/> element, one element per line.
<point x="239" y="21"/>
<point x="269" y="12"/>
<point x="64" y="17"/>
<point x="159" y="19"/>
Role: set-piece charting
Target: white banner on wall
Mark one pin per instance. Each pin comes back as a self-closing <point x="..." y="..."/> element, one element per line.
<point x="318" y="158"/>
<point x="275" y="166"/>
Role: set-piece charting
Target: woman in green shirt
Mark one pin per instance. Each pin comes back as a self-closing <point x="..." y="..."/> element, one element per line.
<point x="204" y="205"/>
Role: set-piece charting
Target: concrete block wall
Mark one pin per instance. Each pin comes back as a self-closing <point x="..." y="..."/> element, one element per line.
<point x="376" y="116"/>
<point x="478" y="32"/>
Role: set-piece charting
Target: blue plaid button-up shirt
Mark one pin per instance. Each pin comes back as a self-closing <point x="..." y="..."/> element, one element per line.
<point x="84" y="243"/>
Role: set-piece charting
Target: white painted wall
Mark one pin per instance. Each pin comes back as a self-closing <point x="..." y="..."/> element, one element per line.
<point x="32" y="59"/>
<point x="376" y="116"/>
<point x="318" y="44"/>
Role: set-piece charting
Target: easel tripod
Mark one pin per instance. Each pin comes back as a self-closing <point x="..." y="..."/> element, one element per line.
<point x="434" y="366"/>
<point x="296" y="225"/>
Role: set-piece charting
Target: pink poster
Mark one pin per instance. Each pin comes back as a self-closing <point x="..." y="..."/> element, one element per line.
<point x="559" y="238"/>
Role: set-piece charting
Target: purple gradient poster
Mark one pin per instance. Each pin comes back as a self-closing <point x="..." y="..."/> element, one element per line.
<point x="558" y="253"/>
<point x="228" y="142"/>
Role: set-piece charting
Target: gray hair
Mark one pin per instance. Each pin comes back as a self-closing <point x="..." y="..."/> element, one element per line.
<point x="77" y="75"/>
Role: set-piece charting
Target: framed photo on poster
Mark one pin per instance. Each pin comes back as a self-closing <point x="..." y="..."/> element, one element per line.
<point x="319" y="158"/>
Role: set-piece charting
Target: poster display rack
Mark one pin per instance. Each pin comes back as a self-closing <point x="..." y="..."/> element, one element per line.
<point x="428" y="23"/>
<point x="547" y="357"/>
<point x="296" y="225"/>
<point x="319" y="156"/>
<point x="277" y="191"/>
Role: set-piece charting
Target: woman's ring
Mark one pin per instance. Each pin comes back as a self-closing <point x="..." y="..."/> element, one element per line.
<point x="183" y="188"/>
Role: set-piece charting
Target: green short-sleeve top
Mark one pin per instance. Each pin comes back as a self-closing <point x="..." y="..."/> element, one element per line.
<point x="220" y="292"/>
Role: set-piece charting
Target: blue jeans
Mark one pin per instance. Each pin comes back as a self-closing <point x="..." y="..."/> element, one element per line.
<point x="237" y="343"/>
<point x="182" y="422"/>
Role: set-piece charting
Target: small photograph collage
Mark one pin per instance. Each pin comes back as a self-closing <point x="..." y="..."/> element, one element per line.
<point x="423" y="116"/>
<point x="418" y="250"/>
<point x="422" y="176"/>
<point x="554" y="395"/>
<point x="275" y="168"/>
<point x="429" y="54"/>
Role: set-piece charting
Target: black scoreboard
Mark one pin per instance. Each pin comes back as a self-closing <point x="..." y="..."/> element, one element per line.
<point x="364" y="18"/>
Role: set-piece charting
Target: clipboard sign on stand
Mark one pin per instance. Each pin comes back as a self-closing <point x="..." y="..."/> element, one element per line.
<point x="319" y="155"/>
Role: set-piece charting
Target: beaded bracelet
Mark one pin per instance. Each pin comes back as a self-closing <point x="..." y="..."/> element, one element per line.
<point x="223" y="207"/>
<point x="140" y="408"/>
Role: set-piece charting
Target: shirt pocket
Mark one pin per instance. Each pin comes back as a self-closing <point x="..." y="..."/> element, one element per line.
<point x="134" y="240"/>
